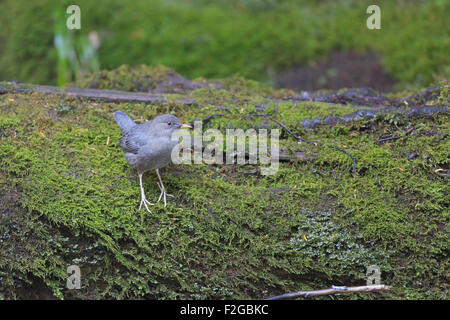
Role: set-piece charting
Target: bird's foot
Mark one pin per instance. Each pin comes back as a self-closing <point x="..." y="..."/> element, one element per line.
<point x="163" y="195"/>
<point x="146" y="204"/>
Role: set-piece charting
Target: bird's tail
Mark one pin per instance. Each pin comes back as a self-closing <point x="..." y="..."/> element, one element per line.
<point x="125" y="123"/>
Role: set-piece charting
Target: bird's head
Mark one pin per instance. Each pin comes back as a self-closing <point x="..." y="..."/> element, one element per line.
<point x="166" y="124"/>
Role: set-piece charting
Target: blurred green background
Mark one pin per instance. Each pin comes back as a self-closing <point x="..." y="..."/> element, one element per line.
<point x="285" y="42"/>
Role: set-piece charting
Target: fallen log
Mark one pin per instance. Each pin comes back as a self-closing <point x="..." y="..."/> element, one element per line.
<point x="91" y="94"/>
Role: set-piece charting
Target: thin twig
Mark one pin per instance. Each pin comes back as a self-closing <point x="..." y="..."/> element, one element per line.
<point x="407" y="132"/>
<point x="387" y="139"/>
<point x="353" y="167"/>
<point x="333" y="290"/>
<point x="208" y="118"/>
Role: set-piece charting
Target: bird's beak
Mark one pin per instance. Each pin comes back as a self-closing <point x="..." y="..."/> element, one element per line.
<point x="186" y="126"/>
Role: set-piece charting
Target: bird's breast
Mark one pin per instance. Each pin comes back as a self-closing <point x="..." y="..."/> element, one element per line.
<point x="155" y="154"/>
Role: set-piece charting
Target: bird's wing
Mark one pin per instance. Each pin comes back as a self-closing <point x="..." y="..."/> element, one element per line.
<point x="134" y="139"/>
<point x="131" y="143"/>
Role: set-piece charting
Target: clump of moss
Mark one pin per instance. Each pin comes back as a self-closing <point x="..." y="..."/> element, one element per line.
<point x="444" y="97"/>
<point x="138" y="78"/>
<point x="321" y="239"/>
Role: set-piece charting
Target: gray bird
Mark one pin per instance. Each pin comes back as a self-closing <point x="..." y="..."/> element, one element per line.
<point x="148" y="146"/>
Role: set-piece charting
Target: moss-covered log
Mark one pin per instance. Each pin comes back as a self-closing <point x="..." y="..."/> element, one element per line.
<point x="68" y="197"/>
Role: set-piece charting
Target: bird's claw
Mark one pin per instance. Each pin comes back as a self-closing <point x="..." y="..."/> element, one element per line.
<point x="146" y="204"/>
<point x="163" y="195"/>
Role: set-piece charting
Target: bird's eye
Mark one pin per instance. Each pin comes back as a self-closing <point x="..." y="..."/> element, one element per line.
<point x="169" y="123"/>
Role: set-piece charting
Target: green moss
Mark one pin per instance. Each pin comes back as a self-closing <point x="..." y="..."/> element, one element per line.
<point x="445" y="93"/>
<point x="139" y="78"/>
<point x="227" y="233"/>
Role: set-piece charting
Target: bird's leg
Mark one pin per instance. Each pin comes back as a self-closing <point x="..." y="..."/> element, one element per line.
<point x="163" y="191"/>
<point x="143" y="198"/>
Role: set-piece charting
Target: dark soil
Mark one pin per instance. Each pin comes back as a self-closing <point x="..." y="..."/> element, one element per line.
<point x="342" y="69"/>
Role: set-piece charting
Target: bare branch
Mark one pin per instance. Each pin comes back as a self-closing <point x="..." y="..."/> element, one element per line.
<point x="332" y="290"/>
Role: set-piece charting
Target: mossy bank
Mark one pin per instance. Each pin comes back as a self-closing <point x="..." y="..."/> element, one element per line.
<point x="68" y="197"/>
